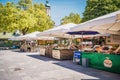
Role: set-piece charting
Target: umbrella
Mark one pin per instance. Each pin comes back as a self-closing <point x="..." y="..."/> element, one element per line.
<point x="105" y="24"/>
<point x="33" y="36"/>
<point x="46" y="38"/>
<point x="84" y="32"/>
<point x="15" y="38"/>
<point x="112" y="28"/>
<point x="30" y="36"/>
<point x="59" y="31"/>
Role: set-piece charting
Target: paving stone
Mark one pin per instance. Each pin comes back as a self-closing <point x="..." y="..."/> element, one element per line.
<point x="35" y="67"/>
<point x="2" y="70"/>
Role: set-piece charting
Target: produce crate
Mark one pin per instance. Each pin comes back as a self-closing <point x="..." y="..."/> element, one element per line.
<point x="48" y="53"/>
<point x="64" y="54"/>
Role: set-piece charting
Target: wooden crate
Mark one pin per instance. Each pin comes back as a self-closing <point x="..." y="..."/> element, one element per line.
<point x="64" y="54"/>
<point x="48" y="53"/>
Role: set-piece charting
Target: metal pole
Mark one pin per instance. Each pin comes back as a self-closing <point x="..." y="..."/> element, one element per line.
<point x="82" y="40"/>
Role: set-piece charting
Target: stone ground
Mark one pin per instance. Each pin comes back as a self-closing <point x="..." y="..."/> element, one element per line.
<point x="16" y="65"/>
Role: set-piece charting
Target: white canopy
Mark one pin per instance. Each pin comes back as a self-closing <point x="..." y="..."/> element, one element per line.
<point x="63" y="27"/>
<point x="33" y="36"/>
<point x="112" y="28"/>
<point x="30" y="36"/>
<point x="15" y="38"/>
<point x="59" y="31"/>
<point x="109" y="23"/>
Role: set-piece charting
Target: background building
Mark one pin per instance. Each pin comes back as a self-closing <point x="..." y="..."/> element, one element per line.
<point x="48" y="7"/>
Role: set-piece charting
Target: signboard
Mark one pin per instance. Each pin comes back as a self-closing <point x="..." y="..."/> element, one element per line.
<point x="56" y="54"/>
<point x="107" y="63"/>
<point x="42" y="52"/>
<point x="77" y="56"/>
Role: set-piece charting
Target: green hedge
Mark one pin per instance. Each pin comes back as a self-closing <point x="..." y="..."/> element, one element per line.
<point x="6" y="44"/>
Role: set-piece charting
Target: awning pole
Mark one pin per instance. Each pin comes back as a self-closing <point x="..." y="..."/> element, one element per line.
<point x="82" y="41"/>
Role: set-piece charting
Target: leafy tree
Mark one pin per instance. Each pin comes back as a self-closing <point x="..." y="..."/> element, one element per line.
<point x="1" y="7"/>
<point x="72" y="18"/>
<point x="24" y="17"/>
<point x="7" y="16"/>
<point x="43" y="21"/>
<point x="96" y="8"/>
<point x="40" y="7"/>
<point x="25" y="4"/>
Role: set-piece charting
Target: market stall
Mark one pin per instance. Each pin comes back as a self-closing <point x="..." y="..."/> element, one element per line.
<point x="61" y="50"/>
<point x="106" y="55"/>
<point x="45" y="47"/>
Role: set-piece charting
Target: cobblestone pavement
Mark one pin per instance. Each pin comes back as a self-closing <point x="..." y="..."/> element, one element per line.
<point x="30" y="66"/>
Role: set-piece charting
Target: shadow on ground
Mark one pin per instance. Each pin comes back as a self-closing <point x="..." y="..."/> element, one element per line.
<point x="101" y="75"/>
<point x="43" y="58"/>
<point x="17" y="50"/>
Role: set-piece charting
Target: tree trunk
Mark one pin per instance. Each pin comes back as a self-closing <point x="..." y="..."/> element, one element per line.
<point x="25" y="30"/>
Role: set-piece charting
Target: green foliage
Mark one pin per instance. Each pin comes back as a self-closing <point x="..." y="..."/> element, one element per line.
<point x="24" y="17"/>
<point x="96" y="8"/>
<point x="1" y="7"/>
<point x="72" y="18"/>
<point x="25" y="4"/>
<point x="7" y="15"/>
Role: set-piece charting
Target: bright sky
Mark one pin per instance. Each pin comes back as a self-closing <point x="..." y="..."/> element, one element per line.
<point x="60" y="8"/>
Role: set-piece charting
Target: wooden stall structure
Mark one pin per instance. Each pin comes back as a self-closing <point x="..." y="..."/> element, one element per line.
<point x="48" y="53"/>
